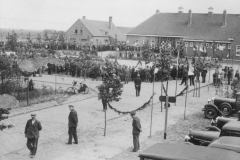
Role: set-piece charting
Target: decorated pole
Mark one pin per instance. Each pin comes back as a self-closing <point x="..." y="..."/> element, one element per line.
<point x="55" y="83"/>
<point x="105" y="122"/>
<point x="152" y="102"/>
<point x="161" y="94"/>
<point x="27" y="91"/>
<point x="166" y="113"/>
<point x="199" y="88"/>
<point x="176" y="77"/>
<point x="209" y="78"/>
<point x="185" y="101"/>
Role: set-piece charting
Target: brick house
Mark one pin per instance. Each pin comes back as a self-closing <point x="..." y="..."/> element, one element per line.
<point x="193" y="28"/>
<point x="97" y="32"/>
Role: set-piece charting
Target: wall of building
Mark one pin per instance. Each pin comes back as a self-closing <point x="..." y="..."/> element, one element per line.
<point x="236" y="47"/>
<point x="78" y="37"/>
<point x="189" y="44"/>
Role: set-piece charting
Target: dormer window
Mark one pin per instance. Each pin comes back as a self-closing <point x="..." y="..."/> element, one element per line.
<point x="75" y="31"/>
<point x="106" y="33"/>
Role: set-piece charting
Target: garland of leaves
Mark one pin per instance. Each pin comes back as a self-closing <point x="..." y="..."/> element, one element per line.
<point x="179" y="94"/>
<point x="128" y="112"/>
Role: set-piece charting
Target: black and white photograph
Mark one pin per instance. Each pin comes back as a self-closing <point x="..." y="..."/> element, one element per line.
<point x="119" y="79"/>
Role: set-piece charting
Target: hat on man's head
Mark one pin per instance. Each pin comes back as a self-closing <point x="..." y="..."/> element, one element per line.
<point x="71" y="106"/>
<point x="133" y="113"/>
<point x="138" y="75"/>
<point x="33" y="114"/>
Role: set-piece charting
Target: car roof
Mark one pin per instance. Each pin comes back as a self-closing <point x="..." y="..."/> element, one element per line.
<point x="227" y="142"/>
<point x="232" y="125"/>
<point x="171" y="151"/>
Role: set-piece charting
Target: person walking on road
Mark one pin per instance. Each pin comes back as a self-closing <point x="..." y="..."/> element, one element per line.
<point x="137" y="82"/>
<point x="72" y="125"/>
<point x="136" y="131"/>
<point x="32" y="129"/>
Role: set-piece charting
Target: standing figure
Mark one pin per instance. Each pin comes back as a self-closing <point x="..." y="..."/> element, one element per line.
<point x="127" y="75"/>
<point x="136" y="131"/>
<point x="203" y="74"/>
<point x="32" y="129"/>
<point x="237" y="75"/>
<point x="191" y="76"/>
<point x="147" y="74"/>
<point x="174" y="72"/>
<point x="229" y="75"/>
<point x="72" y="125"/>
<point x="137" y="82"/>
<point x="185" y="75"/>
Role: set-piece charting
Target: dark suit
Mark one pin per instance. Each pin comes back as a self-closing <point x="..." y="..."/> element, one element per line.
<point x="137" y="82"/>
<point x="72" y="126"/>
<point x="136" y="132"/>
<point x="32" y="133"/>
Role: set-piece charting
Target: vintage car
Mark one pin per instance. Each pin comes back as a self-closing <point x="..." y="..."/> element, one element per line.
<point x="232" y="128"/>
<point x="221" y="121"/>
<point x="227" y="143"/>
<point x="222" y="106"/>
<point x="172" y="151"/>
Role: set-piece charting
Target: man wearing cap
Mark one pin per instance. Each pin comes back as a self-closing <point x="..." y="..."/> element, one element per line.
<point x="136" y="131"/>
<point x="72" y="125"/>
<point x="137" y="82"/>
<point x="32" y="129"/>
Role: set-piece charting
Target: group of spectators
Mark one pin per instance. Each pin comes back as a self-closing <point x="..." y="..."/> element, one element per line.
<point x="226" y="73"/>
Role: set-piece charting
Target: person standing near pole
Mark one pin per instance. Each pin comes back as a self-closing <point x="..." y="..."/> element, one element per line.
<point x="72" y="125"/>
<point x="32" y="129"/>
<point x="136" y="131"/>
<point x="137" y="82"/>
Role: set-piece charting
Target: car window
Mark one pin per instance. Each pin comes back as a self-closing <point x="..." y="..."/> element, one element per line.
<point x="230" y="133"/>
<point x="238" y="98"/>
<point x="235" y="134"/>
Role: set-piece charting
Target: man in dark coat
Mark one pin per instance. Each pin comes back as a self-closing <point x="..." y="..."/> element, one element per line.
<point x="136" y="131"/>
<point x="72" y="125"/>
<point x="137" y="82"/>
<point x="32" y="129"/>
<point x="204" y="74"/>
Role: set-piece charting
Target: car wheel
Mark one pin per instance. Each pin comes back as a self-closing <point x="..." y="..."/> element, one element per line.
<point x="226" y="109"/>
<point x="210" y="113"/>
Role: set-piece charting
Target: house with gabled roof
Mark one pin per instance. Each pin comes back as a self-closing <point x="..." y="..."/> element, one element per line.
<point x="223" y="30"/>
<point x="94" y="31"/>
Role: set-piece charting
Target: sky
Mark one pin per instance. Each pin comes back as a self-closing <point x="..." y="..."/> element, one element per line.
<point x="61" y="14"/>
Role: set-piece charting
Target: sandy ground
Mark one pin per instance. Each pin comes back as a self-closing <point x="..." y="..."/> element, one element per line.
<point x="92" y="144"/>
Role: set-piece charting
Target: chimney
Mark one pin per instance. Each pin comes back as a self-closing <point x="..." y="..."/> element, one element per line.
<point x="157" y="11"/>
<point x="110" y="23"/>
<point x="190" y="17"/>
<point x="210" y="11"/>
<point x="224" y="23"/>
<point x="180" y="10"/>
<point x="84" y="17"/>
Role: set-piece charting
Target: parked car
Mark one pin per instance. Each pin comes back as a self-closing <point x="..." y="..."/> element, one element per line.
<point x="232" y="128"/>
<point x="221" y="121"/>
<point x="222" y="106"/>
<point x="227" y="143"/>
<point x="171" y="151"/>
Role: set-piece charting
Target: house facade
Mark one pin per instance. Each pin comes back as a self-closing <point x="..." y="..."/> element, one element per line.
<point x="95" y="32"/>
<point x="223" y="30"/>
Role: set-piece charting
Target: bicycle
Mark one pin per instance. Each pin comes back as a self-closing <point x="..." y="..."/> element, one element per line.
<point x="73" y="90"/>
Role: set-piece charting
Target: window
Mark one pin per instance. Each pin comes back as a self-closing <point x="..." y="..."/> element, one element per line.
<point x="153" y="44"/>
<point x="207" y="44"/>
<point x="81" y="31"/>
<point x="229" y="46"/>
<point x="106" y="33"/>
<point x="177" y="44"/>
<point x="76" y="31"/>
<point x="186" y="44"/>
<point x="224" y="46"/>
<point x="191" y="44"/>
<point x="237" y="50"/>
